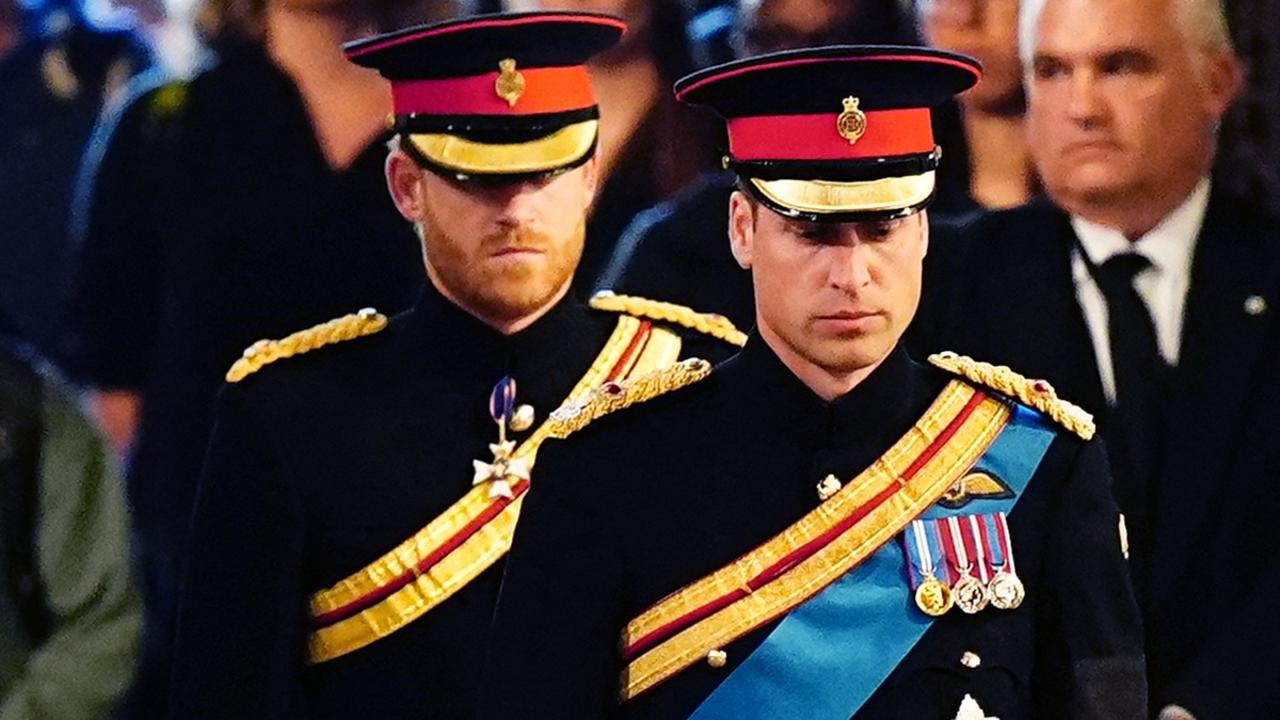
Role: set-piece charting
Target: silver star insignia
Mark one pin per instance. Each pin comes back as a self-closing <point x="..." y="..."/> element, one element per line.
<point x="502" y="470"/>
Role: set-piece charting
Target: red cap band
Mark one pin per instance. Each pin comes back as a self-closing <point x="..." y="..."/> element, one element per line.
<point x="546" y="90"/>
<point x="816" y="137"/>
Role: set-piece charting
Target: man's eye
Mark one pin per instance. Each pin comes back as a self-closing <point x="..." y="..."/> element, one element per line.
<point x="1125" y="64"/>
<point x="1049" y="69"/>
<point x="879" y="230"/>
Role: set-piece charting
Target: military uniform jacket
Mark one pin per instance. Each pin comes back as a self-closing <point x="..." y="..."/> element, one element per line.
<point x="318" y="466"/>
<point x="1213" y="507"/>
<point x="645" y="502"/>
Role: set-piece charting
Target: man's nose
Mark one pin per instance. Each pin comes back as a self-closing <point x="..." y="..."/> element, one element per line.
<point x="1084" y="101"/>
<point x="517" y="201"/>
<point x="850" y="270"/>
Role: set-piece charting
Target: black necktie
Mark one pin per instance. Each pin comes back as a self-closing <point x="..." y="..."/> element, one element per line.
<point x="1135" y="353"/>
<point x="1135" y="430"/>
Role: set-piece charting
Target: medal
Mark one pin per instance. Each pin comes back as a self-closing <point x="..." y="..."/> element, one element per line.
<point x="970" y="593"/>
<point x="1006" y="589"/>
<point x="932" y="596"/>
<point x="506" y="467"/>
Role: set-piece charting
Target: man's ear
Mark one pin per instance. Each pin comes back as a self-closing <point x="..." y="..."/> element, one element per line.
<point x="404" y="181"/>
<point x="742" y="228"/>
<point x="1225" y="78"/>
<point x="924" y="232"/>
<point x="591" y="178"/>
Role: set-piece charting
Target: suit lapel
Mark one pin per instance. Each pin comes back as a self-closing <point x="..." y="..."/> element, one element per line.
<point x="1219" y="355"/>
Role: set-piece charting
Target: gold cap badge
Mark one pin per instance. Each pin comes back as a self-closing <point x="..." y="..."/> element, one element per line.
<point x="510" y="84"/>
<point x="852" y="123"/>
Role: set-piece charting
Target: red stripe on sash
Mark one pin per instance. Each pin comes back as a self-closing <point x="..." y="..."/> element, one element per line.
<point x="641" y="337"/>
<point x="808" y="549"/>
<point x="495" y="508"/>
<point x="424" y="565"/>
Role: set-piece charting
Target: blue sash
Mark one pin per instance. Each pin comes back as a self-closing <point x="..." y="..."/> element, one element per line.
<point x="831" y="653"/>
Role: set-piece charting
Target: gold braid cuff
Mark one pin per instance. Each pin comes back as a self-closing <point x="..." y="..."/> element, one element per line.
<point x="1037" y="394"/>
<point x="614" y="396"/>
<point x="717" y="326"/>
<point x="264" y="352"/>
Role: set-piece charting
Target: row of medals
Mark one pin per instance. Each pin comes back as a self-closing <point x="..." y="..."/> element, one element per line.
<point x="1004" y="592"/>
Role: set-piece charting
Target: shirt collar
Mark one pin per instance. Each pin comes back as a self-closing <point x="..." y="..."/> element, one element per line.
<point x="1169" y="245"/>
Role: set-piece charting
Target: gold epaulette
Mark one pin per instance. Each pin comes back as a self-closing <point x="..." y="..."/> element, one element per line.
<point x="613" y="396"/>
<point x="717" y="326"/>
<point x="1037" y="394"/>
<point x="264" y="352"/>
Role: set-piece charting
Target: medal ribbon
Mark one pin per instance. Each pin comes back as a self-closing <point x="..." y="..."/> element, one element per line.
<point x="919" y="552"/>
<point x="502" y="403"/>
<point x="1004" y="544"/>
<point x="974" y="526"/>
<point x="959" y="555"/>
<point x="790" y="674"/>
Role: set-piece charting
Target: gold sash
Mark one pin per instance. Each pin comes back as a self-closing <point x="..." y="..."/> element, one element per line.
<point x="695" y="622"/>
<point x="476" y="531"/>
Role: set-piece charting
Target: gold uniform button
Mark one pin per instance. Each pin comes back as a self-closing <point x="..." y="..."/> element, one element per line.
<point x="970" y="659"/>
<point x="717" y="658"/>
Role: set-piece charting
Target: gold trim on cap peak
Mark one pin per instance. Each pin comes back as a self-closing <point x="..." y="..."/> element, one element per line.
<point x="829" y="196"/>
<point x="557" y="150"/>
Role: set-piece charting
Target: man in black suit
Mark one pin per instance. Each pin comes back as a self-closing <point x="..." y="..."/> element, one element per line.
<point x="1147" y="294"/>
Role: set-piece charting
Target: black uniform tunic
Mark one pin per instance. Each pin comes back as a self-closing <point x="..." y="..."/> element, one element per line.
<point x="652" y="499"/>
<point x="215" y="221"/>
<point x="320" y="465"/>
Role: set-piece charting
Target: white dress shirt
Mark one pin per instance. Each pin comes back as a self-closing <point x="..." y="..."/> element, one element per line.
<point x="1163" y="286"/>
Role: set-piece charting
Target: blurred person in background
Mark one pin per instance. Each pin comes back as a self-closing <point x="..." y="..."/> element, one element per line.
<point x="1249" y="147"/>
<point x="1148" y="294"/>
<point x="988" y="157"/>
<point x="243" y="203"/>
<point x="69" y="609"/>
<point x="650" y="146"/>
<point x="57" y="71"/>
<point x="679" y="250"/>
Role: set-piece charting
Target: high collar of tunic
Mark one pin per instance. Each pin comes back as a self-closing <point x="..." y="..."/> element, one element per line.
<point x="842" y="436"/>
<point x="546" y="358"/>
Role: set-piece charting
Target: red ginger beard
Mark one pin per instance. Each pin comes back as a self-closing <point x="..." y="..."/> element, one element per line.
<point x="498" y="288"/>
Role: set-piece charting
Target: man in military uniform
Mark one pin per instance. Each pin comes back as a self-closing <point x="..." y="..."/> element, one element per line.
<point x="824" y="528"/>
<point x="357" y="502"/>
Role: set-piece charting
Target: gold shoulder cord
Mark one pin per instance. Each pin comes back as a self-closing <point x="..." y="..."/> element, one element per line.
<point x="717" y="326"/>
<point x="1037" y="394"/>
<point x="264" y="352"/>
<point x="612" y="397"/>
